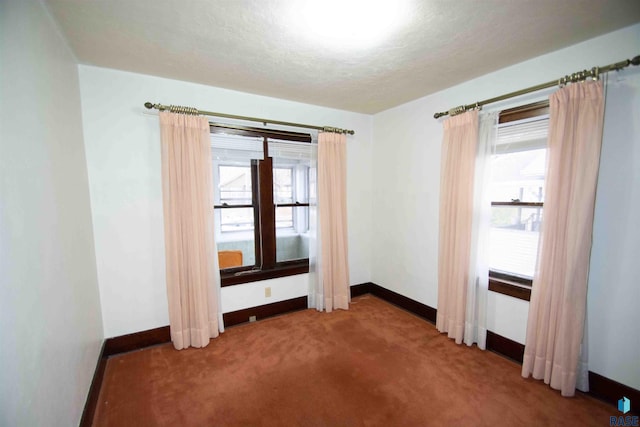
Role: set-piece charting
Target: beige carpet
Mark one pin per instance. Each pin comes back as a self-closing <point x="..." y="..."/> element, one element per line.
<point x="374" y="365"/>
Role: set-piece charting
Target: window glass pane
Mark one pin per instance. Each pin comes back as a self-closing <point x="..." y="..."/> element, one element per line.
<point x="292" y="242"/>
<point x="513" y="238"/>
<point x="518" y="176"/>
<point x="234" y="185"/>
<point x="283" y="185"/>
<point x="284" y="217"/>
<point x="237" y="234"/>
<point x="236" y="219"/>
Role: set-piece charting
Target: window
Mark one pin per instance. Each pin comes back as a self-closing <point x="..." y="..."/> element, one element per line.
<point x="261" y="202"/>
<point x="291" y="189"/>
<point x="517" y="194"/>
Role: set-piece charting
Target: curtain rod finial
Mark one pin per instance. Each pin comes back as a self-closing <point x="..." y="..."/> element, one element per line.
<point x="636" y="60"/>
<point x="148" y="105"/>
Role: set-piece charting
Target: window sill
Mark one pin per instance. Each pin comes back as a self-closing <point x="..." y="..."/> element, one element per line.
<point x="247" y="276"/>
<point x="510" y="288"/>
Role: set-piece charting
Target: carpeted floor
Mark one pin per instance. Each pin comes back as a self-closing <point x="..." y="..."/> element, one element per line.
<point x="374" y="365"/>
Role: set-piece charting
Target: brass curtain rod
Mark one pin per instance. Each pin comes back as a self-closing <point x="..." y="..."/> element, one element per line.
<point x="195" y="111"/>
<point x="575" y="77"/>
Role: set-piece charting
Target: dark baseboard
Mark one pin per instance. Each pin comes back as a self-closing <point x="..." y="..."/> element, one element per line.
<point x="505" y="347"/>
<point x="136" y="341"/>
<point x="361" y="289"/>
<point x="162" y="335"/>
<point x="412" y="306"/>
<point x="94" y="391"/>
<point x="415" y="307"/>
<point x="611" y="391"/>
<point x="264" y="311"/>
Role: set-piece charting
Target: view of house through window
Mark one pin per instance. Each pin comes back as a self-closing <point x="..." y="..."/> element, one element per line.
<point x="517" y="194"/>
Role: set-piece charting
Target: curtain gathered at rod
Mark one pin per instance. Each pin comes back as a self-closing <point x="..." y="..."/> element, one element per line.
<point x="555" y="346"/>
<point x="193" y="276"/>
<point x="328" y="258"/>
<point x="458" y="161"/>
<point x="465" y="212"/>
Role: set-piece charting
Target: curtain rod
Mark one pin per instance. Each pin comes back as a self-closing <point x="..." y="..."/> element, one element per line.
<point x="575" y="77"/>
<point x="191" y="110"/>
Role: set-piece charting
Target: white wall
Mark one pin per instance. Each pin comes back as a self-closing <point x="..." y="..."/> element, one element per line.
<point x="123" y="158"/>
<point x="406" y="159"/>
<point x="614" y="291"/>
<point x="51" y="327"/>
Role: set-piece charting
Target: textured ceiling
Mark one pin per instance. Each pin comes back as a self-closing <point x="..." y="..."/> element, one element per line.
<point x="261" y="46"/>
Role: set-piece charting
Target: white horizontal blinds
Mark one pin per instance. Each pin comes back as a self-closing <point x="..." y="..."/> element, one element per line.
<point x="236" y="148"/>
<point x="522" y="135"/>
<point x="301" y="151"/>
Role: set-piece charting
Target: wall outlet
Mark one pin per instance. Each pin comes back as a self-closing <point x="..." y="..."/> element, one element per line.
<point x="267" y="292"/>
<point x="252" y="318"/>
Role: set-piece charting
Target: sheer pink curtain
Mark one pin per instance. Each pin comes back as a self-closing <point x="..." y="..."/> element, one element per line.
<point x="559" y="294"/>
<point x="191" y="262"/>
<point x="459" y="147"/>
<point x="332" y="194"/>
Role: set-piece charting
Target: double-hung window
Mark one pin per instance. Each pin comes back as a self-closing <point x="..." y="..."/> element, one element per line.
<point x="518" y="168"/>
<point x="261" y="202"/>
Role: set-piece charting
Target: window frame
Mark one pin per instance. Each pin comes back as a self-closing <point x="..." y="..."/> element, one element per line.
<point x="501" y="282"/>
<point x="263" y="204"/>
